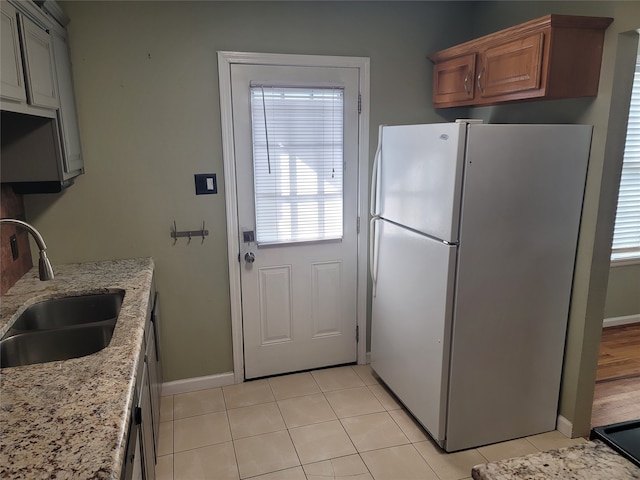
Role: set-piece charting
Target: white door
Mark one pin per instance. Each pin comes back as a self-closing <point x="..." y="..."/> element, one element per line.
<point x="296" y="154"/>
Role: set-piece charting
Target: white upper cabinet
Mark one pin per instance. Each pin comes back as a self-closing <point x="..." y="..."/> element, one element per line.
<point x="12" y="77"/>
<point x="37" y="99"/>
<point x="28" y="69"/>
<point x="67" y="117"/>
<point x="39" y="66"/>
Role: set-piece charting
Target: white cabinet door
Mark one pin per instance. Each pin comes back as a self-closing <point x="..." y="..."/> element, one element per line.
<point x="12" y="76"/>
<point x="146" y="427"/>
<point x="154" y="386"/>
<point x="39" y="65"/>
<point x="67" y="116"/>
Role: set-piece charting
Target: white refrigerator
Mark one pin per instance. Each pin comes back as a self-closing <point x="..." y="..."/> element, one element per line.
<point x="473" y="244"/>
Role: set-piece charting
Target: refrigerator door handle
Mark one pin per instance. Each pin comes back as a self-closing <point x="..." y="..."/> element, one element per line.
<point x="372" y="254"/>
<point x="374" y="174"/>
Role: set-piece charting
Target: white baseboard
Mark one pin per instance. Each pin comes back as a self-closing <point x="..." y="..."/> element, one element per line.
<point x="368" y="358"/>
<point x="198" y="383"/>
<point x="627" y="319"/>
<point x="564" y="426"/>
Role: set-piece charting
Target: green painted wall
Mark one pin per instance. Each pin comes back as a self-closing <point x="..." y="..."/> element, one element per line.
<point x="147" y="91"/>
<point x="623" y="292"/>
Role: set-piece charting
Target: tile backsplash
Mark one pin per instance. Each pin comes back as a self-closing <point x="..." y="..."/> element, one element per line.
<point x="12" y="206"/>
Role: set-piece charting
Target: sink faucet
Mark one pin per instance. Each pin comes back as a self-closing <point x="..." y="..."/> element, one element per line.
<point x="44" y="265"/>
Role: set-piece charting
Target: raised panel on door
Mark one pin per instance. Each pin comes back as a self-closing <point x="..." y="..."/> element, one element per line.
<point x="511" y="67"/>
<point x="11" y="72"/>
<point x="39" y="64"/>
<point x="326" y="284"/>
<point x="453" y="80"/>
<point x="275" y="304"/>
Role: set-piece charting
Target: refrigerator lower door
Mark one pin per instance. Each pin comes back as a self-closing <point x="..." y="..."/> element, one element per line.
<point x="411" y="320"/>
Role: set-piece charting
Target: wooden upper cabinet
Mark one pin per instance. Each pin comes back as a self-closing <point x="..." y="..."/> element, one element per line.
<point x="556" y="56"/>
<point x="454" y="79"/>
<point x="514" y="66"/>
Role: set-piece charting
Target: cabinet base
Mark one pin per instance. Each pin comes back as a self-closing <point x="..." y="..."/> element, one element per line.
<point x="40" y="187"/>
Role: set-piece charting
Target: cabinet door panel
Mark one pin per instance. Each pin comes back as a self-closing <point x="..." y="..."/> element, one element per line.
<point x="453" y="80"/>
<point x="38" y="52"/>
<point x="154" y="386"/>
<point x="146" y="428"/>
<point x="67" y="116"/>
<point x="11" y="73"/>
<point x="511" y="67"/>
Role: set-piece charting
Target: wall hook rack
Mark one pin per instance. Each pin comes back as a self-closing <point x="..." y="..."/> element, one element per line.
<point x="175" y="234"/>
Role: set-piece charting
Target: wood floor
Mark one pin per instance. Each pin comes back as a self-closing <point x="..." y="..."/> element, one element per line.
<point x="617" y="391"/>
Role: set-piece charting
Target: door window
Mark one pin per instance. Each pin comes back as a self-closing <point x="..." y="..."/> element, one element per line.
<point x="297" y="163"/>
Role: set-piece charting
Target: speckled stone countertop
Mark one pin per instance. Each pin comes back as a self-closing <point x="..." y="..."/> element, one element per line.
<point x="68" y="419"/>
<point x="587" y="461"/>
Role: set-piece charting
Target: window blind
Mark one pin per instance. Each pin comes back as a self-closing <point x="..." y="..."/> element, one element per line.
<point x="626" y="235"/>
<point x="298" y="163"/>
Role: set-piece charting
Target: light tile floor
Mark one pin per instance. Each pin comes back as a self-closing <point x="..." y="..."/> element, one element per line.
<point x="337" y="423"/>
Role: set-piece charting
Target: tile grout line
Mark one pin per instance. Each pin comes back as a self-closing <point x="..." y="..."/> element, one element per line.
<point x="287" y="429"/>
<point x="233" y="443"/>
<point x="332" y="409"/>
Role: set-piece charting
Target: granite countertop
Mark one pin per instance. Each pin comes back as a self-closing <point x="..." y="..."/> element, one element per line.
<point x="68" y="419"/>
<point x="587" y="461"/>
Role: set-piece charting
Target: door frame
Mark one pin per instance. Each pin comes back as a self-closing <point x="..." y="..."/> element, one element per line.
<point x="225" y="60"/>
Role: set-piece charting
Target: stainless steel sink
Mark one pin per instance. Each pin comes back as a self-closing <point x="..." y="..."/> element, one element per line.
<point x="41" y="346"/>
<point x="66" y="311"/>
<point x="61" y="328"/>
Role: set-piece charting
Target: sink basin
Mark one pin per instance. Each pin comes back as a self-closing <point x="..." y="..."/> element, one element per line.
<point x="66" y="311"/>
<point x="61" y="328"/>
<point x="41" y="346"/>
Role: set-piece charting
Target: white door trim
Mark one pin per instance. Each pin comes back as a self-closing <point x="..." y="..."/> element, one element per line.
<point x="225" y="59"/>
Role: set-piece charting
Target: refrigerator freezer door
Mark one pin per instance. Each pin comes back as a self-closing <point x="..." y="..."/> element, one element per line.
<point x="420" y="177"/>
<point x="411" y="320"/>
<point x="520" y="212"/>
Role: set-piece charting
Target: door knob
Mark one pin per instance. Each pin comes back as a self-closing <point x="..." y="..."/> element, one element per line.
<point x="249" y="257"/>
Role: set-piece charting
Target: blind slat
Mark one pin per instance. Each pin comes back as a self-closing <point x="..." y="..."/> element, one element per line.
<point x="626" y="235"/>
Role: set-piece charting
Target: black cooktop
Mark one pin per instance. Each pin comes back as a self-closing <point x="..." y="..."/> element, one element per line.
<point x="623" y="437"/>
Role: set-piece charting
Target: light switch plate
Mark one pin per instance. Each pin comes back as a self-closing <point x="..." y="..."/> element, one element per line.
<point x="206" y="183"/>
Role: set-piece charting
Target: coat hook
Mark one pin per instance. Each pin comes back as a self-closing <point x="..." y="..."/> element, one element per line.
<point x="174" y="233"/>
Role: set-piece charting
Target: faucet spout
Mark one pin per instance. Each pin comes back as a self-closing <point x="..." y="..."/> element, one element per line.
<point x="44" y="265"/>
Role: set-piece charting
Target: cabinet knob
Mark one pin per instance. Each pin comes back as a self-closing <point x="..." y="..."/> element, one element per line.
<point x="137" y="415"/>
